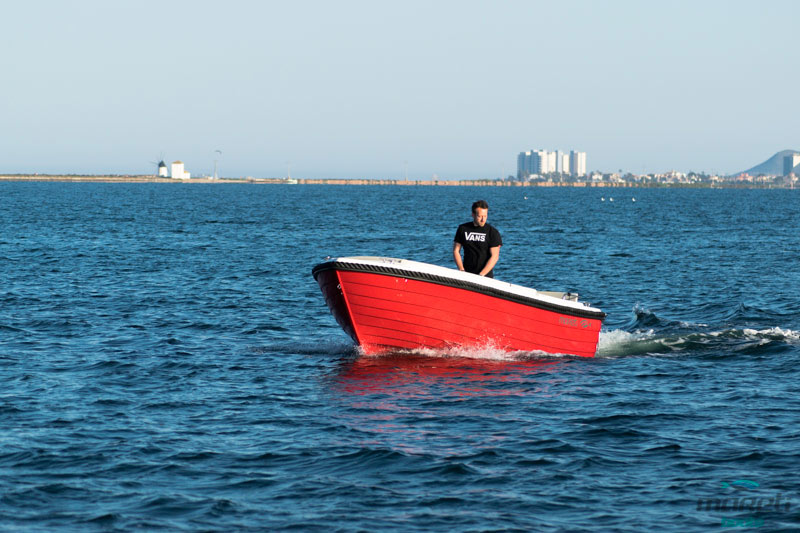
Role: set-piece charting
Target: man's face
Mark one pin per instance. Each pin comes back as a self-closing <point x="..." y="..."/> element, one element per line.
<point x="479" y="216"/>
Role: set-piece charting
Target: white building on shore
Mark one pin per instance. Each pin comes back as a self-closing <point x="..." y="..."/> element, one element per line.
<point x="178" y="173"/>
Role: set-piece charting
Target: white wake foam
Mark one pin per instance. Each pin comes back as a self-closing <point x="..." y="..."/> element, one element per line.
<point x="618" y="343"/>
<point x="775" y="333"/>
<point x="485" y="352"/>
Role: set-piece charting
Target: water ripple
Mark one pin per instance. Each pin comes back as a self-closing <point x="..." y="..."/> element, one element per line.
<point x="167" y="365"/>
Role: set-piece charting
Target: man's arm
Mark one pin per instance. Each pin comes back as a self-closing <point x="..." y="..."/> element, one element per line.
<point x="457" y="255"/>
<point x="494" y="255"/>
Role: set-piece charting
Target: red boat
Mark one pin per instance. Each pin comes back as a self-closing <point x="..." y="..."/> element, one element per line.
<point x="387" y="304"/>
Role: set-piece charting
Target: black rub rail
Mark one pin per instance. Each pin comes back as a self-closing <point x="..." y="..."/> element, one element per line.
<point x="457" y="283"/>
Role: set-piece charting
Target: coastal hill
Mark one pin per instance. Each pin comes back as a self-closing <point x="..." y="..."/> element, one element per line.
<point x="772" y="166"/>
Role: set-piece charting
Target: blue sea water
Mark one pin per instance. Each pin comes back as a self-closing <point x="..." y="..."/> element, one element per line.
<point x="167" y="362"/>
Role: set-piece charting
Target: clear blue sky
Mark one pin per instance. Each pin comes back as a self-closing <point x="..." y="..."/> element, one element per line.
<point x="357" y="88"/>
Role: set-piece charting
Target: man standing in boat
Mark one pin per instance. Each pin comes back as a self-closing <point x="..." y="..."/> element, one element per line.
<point x="481" y="243"/>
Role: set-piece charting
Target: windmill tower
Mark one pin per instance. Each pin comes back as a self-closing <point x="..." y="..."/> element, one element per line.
<point x="161" y="167"/>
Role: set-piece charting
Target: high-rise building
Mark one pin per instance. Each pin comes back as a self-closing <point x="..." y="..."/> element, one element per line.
<point x="523" y="165"/>
<point x="528" y="163"/>
<point x="548" y="162"/>
<point x="789" y="162"/>
<point x="535" y="162"/>
<point x="562" y="162"/>
<point x="540" y="162"/>
<point x="543" y="162"/>
<point x="577" y="163"/>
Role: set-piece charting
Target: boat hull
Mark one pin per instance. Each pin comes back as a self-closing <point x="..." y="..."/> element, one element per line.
<point x="385" y="308"/>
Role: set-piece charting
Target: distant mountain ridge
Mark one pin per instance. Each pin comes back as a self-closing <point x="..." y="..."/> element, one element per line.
<point x="772" y="166"/>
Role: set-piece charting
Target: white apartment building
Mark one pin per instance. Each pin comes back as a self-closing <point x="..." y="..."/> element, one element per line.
<point x="523" y="165"/>
<point x="548" y="161"/>
<point x="535" y="162"/>
<point x="577" y="163"/>
<point x="544" y="162"/>
<point x="789" y="162"/>
<point x="562" y="162"/>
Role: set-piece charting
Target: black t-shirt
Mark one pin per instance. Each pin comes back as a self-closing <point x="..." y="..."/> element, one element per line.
<point x="476" y="241"/>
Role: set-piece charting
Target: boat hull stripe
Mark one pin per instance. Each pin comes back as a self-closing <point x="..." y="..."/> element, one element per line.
<point x="456" y="283"/>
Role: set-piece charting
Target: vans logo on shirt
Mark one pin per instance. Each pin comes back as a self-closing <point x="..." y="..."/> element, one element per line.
<point x="475" y="236"/>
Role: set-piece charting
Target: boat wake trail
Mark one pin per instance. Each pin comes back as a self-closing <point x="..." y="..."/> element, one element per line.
<point x="650" y="335"/>
<point x="306" y="348"/>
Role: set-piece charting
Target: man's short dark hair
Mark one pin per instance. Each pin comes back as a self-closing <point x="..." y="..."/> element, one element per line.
<point x="480" y="204"/>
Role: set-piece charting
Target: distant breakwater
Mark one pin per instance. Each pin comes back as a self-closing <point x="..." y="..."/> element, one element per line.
<point x="462" y="183"/>
<point x="386" y="182"/>
<point x="114" y="178"/>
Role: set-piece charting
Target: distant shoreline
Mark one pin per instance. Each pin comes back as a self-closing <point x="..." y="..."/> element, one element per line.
<point x="386" y="182"/>
<point x="113" y="178"/>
